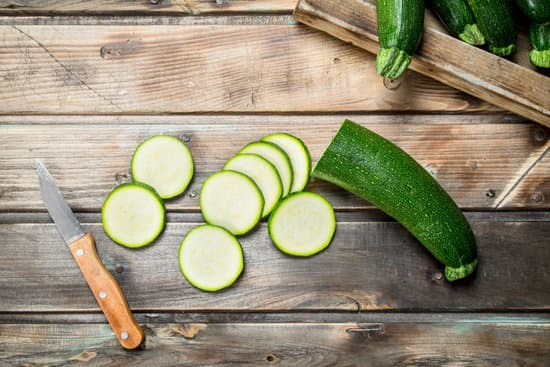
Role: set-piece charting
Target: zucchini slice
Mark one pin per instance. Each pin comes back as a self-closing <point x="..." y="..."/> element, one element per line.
<point x="264" y="175"/>
<point x="165" y="163"/>
<point x="133" y="215"/>
<point x="210" y="258"/>
<point x="300" y="158"/>
<point x="303" y="224"/>
<point x="231" y="200"/>
<point x="277" y="157"/>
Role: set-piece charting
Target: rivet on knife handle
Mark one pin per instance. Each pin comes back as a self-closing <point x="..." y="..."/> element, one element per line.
<point x="107" y="293"/>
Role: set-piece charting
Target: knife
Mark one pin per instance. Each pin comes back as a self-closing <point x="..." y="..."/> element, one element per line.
<point x="105" y="288"/>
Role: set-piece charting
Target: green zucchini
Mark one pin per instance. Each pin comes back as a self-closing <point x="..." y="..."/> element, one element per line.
<point x="400" y="27"/>
<point x="375" y="169"/>
<point x="459" y="20"/>
<point x="539" y="34"/>
<point x="495" y="19"/>
<point x="537" y="11"/>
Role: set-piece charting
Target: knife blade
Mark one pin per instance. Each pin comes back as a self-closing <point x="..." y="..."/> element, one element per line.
<point x="104" y="287"/>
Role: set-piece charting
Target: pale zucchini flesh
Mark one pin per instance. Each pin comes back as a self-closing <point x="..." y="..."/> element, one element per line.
<point x="231" y="200"/>
<point x="133" y="215"/>
<point x="165" y="163"/>
<point x="277" y="157"/>
<point x="210" y="258"/>
<point x="264" y="175"/>
<point x="303" y="224"/>
<point x="300" y="158"/>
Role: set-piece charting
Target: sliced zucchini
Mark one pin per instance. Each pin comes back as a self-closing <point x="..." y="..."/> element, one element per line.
<point x="133" y="215"/>
<point x="303" y="224"/>
<point x="277" y="157"/>
<point x="300" y="159"/>
<point x="264" y="175"/>
<point x="210" y="258"/>
<point x="164" y="163"/>
<point x="231" y="200"/>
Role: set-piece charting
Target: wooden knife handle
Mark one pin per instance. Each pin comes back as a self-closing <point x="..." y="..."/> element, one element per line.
<point x="107" y="292"/>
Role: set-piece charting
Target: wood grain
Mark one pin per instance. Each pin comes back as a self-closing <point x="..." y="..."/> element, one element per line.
<point x="475" y="162"/>
<point x="369" y="266"/>
<point x="201" y="68"/>
<point x="534" y="187"/>
<point x="191" y="7"/>
<point x="442" y="57"/>
<point x="250" y="344"/>
<point x="107" y="293"/>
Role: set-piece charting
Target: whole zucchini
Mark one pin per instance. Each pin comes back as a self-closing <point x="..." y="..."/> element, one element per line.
<point x="378" y="171"/>
<point x="495" y="19"/>
<point x="459" y="20"/>
<point x="400" y="27"/>
<point x="536" y="10"/>
<point x="539" y="34"/>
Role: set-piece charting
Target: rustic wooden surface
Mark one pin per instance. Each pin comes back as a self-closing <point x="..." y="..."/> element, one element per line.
<point x="82" y="83"/>
<point x="442" y="57"/>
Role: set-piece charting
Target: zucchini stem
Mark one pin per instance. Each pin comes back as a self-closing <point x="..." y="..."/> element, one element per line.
<point x="460" y="272"/>
<point x="503" y="51"/>
<point x="392" y="62"/>
<point x="472" y="35"/>
<point x="540" y="58"/>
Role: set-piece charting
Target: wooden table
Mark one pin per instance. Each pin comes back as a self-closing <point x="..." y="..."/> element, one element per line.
<point x="82" y="83"/>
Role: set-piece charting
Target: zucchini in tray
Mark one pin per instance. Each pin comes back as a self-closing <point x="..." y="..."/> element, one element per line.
<point x="495" y="19"/>
<point x="459" y="20"/>
<point x="400" y="27"/>
<point x="538" y="12"/>
<point x="375" y="169"/>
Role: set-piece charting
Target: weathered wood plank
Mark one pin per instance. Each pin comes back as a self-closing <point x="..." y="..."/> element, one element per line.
<point x="442" y="57"/>
<point x="249" y="344"/>
<point x="369" y="266"/>
<point x="191" y="7"/>
<point x="197" y="68"/>
<point x="476" y="163"/>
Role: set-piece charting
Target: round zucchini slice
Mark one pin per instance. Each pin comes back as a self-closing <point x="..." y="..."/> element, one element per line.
<point x="264" y="175"/>
<point x="133" y="215"/>
<point x="210" y="258"/>
<point x="303" y="224"/>
<point x="231" y="200"/>
<point x="165" y="163"/>
<point x="299" y="158"/>
<point x="277" y="157"/>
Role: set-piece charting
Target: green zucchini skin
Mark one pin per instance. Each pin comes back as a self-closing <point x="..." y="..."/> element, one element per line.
<point x="495" y="19"/>
<point x="539" y="34"/>
<point x="459" y="20"/>
<point x="536" y="10"/>
<point x="378" y="171"/>
<point x="400" y="27"/>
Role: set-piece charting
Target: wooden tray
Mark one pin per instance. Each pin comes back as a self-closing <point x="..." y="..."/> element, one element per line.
<point x="511" y="84"/>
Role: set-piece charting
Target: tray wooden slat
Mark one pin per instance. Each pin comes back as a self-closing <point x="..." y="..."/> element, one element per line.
<point x="201" y="68"/>
<point x="371" y="265"/>
<point x="442" y="57"/>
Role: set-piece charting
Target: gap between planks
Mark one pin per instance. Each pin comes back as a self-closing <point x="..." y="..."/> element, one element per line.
<point x="280" y="317"/>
